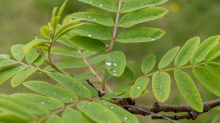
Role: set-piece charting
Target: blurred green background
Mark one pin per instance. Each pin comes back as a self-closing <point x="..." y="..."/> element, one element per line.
<point x="21" y="19"/>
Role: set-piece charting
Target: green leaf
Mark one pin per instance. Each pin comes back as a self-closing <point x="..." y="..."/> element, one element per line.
<point x="128" y="73"/>
<point x="214" y="53"/>
<point x="18" y="52"/>
<point x="148" y="63"/>
<point x="88" y="53"/>
<point x="54" y="12"/>
<point x="214" y="69"/>
<point x="54" y="119"/>
<point x="161" y="85"/>
<point x="62" y="8"/>
<point x="63" y="40"/>
<point x="66" y="52"/>
<point x="133" y="5"/>
<point x="129" y="62"/>
<point x="42" y="101"/>
<point x="123" y="89"/>
<point x="116" y="63"/>
<point x="93" y="111"/>
<point x="168" y="57"/>
<point x="140" y="34"/>
<point x="92" y="90"/>
<point x="87" y="30"/>
<point x="103" y="4"/>
<point x="139" y="86"/>
<point x="20" y="77"/>
<point x="35" y="43"/>
<point x="98" y="59"/>
<point x="31" y="56"/>
<point x="72" y="116"/>
<point x="83" y="75"/>
<point x="66" y="19"/>
<point x="7" y="62"/>
<point x="188" y="90"/>
<point x="71" y="84"/>
<point x="55" y="21"/>
<point x="32" y="108"/>
<point x="141" y="16"/>
<point x="7" y="73"/>
<point x="186" y="51"/>
<point x="11" y="107"/>
<point x="94" y="17"/>
<point x="100" y="69"/>
<point x="45" y="88"/>
<point x="45" y="31"/>
<point x="216" y="119"/>
<point x="39" y="61"/>
<point x="88" y="43"/>
<point x="4" y="56"/>
<point x="11" y="118"/>
<point x="124" y="95"/>
<point x="204" y="49"/>
<point x="67" y="65"/>
<point x="122" y="114"/>
<point x="207" y="79"/>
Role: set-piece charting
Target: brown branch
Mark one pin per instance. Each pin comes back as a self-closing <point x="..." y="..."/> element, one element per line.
<point x="156" y="108"/>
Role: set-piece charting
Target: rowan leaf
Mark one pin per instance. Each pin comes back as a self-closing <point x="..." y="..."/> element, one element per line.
<point x="148" y="64"/>
<point x="140" y="34"/>
<point x="66" y="52"/>
<point x="20" y="77"/>
<point x="94" y="17"/>
<point x="62" y="8"/>
<point x="133" y="5"/>
<point x="123" y="89"/>
<point x="98" y="59"/>
<point x="188" y="90"/>
<point x="214" y="53"/>
<point x="168" y="57"/>
<point x="207" y="79"/>
<point x="128" y="73"/>
<point x="67" y="65"/>
<point x="7" y="62"/>
<point x="63" y="40"/>
<point x="139" y="86"/>
<point x="55" y="21"/>
<point x="93" y="111"/>
<point x="204" y="49"/>
<point x="116" y="63"/>
<point x="83" y="75"/>
<point x="124" y="95"/>
<point x="11" y="118"/>
<point x="18" y="52"/>
<point x="39" y="61"/>
<point x="88" y="53"/>
<point x="216" y="119"/>
<point x="161" y="85"/>
<point x="35" y="43"/>
<point x="214" y="69"/>
<point x="141" y="16"/>
<point x="4" y="56"/>
<point x="54" y="119"/>
<point x="92" y="90"/>
<point x="31" y="56"/>
<point x="71" y="84"/>
<point x="186" y="51"/>
<point x="45" y="31"/>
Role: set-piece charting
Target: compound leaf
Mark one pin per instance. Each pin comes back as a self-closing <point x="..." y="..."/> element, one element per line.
<point x="67" y="65"/>
<point x="18" y="52"/>
<point x="161" y="85"/>
<point x="139" y="86"/>
<point x="140" y="34"/>
<point x="214" y="53"/>
<point x="55" y="119"/>
<point x="188" y="90"/>
<point x="66" y="52"/>
<point x="148" y="63"/>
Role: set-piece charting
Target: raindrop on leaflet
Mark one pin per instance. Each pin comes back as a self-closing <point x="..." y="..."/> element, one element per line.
<point x="153" y="38"/>
<point x="90" y="1"/>
<point x="100" y="5"/>
<point x="115" y="64"/>
<point x="105" y="110"/>
<point x="108" y="63"/>
<point x="126" y="118"/>
<point x="42" y="102"/>
<point x="114" y="71"/>
<point x="138" y="87"/>
<point x="89" y="35"/>
<point x="94" y="19"/>
<point x="88" y="16"/>
<point x="111" y="107"/>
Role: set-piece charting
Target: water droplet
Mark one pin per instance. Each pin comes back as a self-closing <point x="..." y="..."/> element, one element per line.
<point x="126" y="118"/>
<point x="70" y="98"/>
<point x="105" y="103"/>
<point x="42" y="102"/>
<point x="90" y="1"/>
<point x="89" y="17"/>
<point x="160" y="93"/>
<point x="39" y="85"/>
<point x="89" y="35"/>
<point x="105" y="110"/>
<point x="49" y="101"/>
<point x="94" y="19"/>
<point x="109" y="121"/>
<point x="100" y="5"/>
<point x="111" y="107"/>
<point x="88" y="110"/>
<point x="115" y="64"/>
<point x="153" y="38"/>
<point x="138" y="87"/>
<point x="108" y="63"/>
<point x="83" y="105"/>
<point x="64" y="98"/>
<point x="89" y="103"/>
<point x="196" y="59"/>
<point x="114" y="70"/>
<point x="114" y="74"/>
<point x="55" y="93"/>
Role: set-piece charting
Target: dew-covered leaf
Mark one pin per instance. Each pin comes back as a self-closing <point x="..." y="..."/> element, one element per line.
<point x="188" y="90"/>
<point x="93" y="111"/>
<point x="83" y="75"/>
<point x="122" y="114"/>
<point x="20" y="77"/>
<point x="128" y="73"/>
<point x="32" y="108"/>
<point x="42" y="101"/>
<point x="7" y="62"/>
<point x="161" y="85"/>
<point x="88" y="43"/>
<point x="123" y="89"/>
<point x="140" y="34"/>
<point x="67" y="65"/>
<point x="116" y="63"/>
<point x="148" y="63"/>
<point x="54" y="119"/>
<point x="88" y="53"/>
<point x="31" y="56"/>
<point x="45" y="88"/>
<point x="39" y="61"/>
<point x="133" y="5"/>
<point x="94" y="17"/>
<point x="204" y="49"/>
<point x="35" y="43"/>
<point x="87" y="30"/>
<point x="11" y="107"/>
<point x="66" y="52"/>
<point x="141" y="16"/>
<point x="214" y="53"/>
<point x="214" y="69"/>
<point x="11" y="118"/>
<point x="7" y="73"/>
<point x="71" y="84"/>
<point x="4" y="56"/>
<point x="72" y="116"/>
<point x="168" y="57"/>
<point x="207" y="79"/>
<point x="186" y="51"/>
<point x="17" y="52"/>
<point x="98" y="59"/>
<point x="139" y="86"/>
